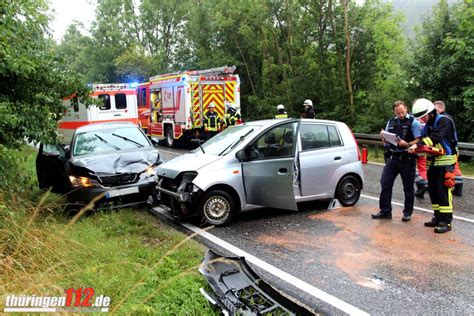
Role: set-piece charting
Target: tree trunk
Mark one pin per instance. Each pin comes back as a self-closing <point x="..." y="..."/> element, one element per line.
<point x="348" y="55"/>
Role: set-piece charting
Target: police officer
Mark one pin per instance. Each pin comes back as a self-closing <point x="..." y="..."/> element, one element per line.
<point x="212" y="121"/>
<point x="438" y="132"/>
<point x="231" y="117"/>
<point x="399" y="161"/>
<point x="281" y="113"/>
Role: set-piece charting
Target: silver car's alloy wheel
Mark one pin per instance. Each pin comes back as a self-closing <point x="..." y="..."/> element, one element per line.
<point x="216" y="210"/>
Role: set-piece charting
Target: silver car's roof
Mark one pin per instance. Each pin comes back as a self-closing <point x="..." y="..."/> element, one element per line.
<point x="270" y="122"/>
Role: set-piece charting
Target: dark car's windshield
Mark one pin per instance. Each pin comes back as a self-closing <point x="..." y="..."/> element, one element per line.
<point x="220" y="143"/>
<point x="108" y="140"/>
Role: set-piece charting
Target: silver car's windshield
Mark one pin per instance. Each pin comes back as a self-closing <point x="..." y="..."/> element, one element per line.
<point x="224" y="141"/>
<point x="108" y="140"/>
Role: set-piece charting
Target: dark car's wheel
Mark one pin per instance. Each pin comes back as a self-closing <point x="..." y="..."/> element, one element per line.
<point x="217" y="208"/>
<point x="170" y="141"/>
<point x="348" y="190"/>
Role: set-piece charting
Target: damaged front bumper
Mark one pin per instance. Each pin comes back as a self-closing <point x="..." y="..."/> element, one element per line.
<point x="238" y="290"/>
<point x="179" y="194"/>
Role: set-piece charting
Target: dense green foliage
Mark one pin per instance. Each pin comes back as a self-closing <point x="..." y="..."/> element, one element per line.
<point x="285" y="51"/>
<point x="442" y="65"/>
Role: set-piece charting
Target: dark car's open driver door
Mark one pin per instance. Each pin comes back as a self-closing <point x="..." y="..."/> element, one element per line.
<point x="50" y="168"/>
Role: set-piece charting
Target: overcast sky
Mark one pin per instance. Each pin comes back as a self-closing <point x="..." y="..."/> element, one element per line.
<point x="66" y="11"/>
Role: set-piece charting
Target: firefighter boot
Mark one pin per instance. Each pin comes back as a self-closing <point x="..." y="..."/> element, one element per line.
<point x="421" y="189"/>
<point x="432" y="223"/>
<point x="457" y="191"/>
<point x="442" y="228"/>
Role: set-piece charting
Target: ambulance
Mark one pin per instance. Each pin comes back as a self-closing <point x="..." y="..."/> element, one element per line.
<point x="172" y="106"/>
<point x="119" y="105"/>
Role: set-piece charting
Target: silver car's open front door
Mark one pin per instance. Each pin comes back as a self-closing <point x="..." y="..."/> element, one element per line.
<point x="268" y="173"/>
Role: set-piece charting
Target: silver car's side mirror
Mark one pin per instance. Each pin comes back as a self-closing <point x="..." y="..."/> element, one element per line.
<point x="241" y="155"/>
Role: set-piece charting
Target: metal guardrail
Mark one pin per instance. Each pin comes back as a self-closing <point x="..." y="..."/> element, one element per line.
<point x="465" y="149"/>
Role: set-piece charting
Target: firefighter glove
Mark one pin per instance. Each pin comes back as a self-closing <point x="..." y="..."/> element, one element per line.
<point x="449" y="176"/>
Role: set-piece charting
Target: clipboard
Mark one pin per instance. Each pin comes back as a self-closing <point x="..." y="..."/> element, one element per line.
<point x="390" y="137"/>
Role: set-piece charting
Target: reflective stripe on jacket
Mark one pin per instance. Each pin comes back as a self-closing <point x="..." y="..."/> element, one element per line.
<point x="281" y="115"/>
<point x="441" y="133"/>
<point x="212" y="121"/>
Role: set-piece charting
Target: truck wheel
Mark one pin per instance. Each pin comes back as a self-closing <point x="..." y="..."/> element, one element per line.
<point x="170" y="141"/>
<point x="217" y="208"/>
<point x="348" y="190"/>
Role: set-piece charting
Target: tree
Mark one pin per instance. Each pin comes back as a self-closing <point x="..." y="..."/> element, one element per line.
<point x="33" y="80"/>
<point x="442" y="65"/>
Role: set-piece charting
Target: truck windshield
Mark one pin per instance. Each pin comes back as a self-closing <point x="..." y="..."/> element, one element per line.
<point x="228" y="138"/>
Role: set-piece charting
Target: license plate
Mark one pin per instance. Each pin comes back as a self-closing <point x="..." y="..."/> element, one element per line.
<point x="119" y="192"/>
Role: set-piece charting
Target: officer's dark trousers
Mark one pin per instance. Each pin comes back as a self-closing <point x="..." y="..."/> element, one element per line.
<point x="440" y="195"/>
<point x="406" y="167"/>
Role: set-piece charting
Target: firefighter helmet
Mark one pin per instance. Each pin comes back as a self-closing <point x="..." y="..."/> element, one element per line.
<point x="212" y="105"/>
<point x="422" y="107"/>
<point x="231" y="105"/>
<point x="280" y="107"/>
<point x="308" y="102"/>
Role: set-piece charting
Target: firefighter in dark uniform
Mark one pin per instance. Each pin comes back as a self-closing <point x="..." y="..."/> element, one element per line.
<point x="440" y="133"/>
<point x="231" y="117"/>
<point x="212" y="121"/>
<point x="458" y="182"/>
<point x="281" y="113"/>
<point x="399" y="161"/>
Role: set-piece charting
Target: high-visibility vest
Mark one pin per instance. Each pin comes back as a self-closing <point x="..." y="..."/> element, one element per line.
<point x="282" y="115"/>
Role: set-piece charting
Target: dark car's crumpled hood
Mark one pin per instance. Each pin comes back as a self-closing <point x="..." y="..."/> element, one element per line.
<point x="121" y="162"/>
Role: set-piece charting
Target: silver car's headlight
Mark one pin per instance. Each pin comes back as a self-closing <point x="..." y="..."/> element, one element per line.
<point x="81" y="182"/>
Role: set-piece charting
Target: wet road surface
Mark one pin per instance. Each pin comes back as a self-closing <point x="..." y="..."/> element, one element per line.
<point x="378" y="266"/>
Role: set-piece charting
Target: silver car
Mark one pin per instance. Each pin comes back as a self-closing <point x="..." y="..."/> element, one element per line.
<point x="272" y="163"/>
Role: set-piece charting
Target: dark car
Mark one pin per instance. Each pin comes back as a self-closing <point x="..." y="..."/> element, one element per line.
<point x="113" y="159"/>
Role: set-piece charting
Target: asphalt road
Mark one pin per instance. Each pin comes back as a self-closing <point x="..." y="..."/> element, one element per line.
<point x="379" y="267"/>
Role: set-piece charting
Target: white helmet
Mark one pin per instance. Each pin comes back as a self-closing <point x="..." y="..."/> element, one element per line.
<point x="280" y="107"/>
<point x="212" y="105"/>
<point x="230" y="105"/>
<point x="308" y="102"/>
<point x="422" y="107"/>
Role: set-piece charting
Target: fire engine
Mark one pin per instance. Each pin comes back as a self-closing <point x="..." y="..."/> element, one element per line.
<point x="119" y="104"/>
<point x="172" y="106"/>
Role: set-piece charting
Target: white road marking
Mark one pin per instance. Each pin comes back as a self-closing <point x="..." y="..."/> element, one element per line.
<point x="419" y="208"/>
<point x="286" y="277"/>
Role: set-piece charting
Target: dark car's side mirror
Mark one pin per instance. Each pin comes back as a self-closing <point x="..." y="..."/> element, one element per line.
<point x="241" y="155"/>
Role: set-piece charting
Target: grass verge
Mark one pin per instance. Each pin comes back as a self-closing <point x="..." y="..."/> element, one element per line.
<point x="128" y="255"/>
